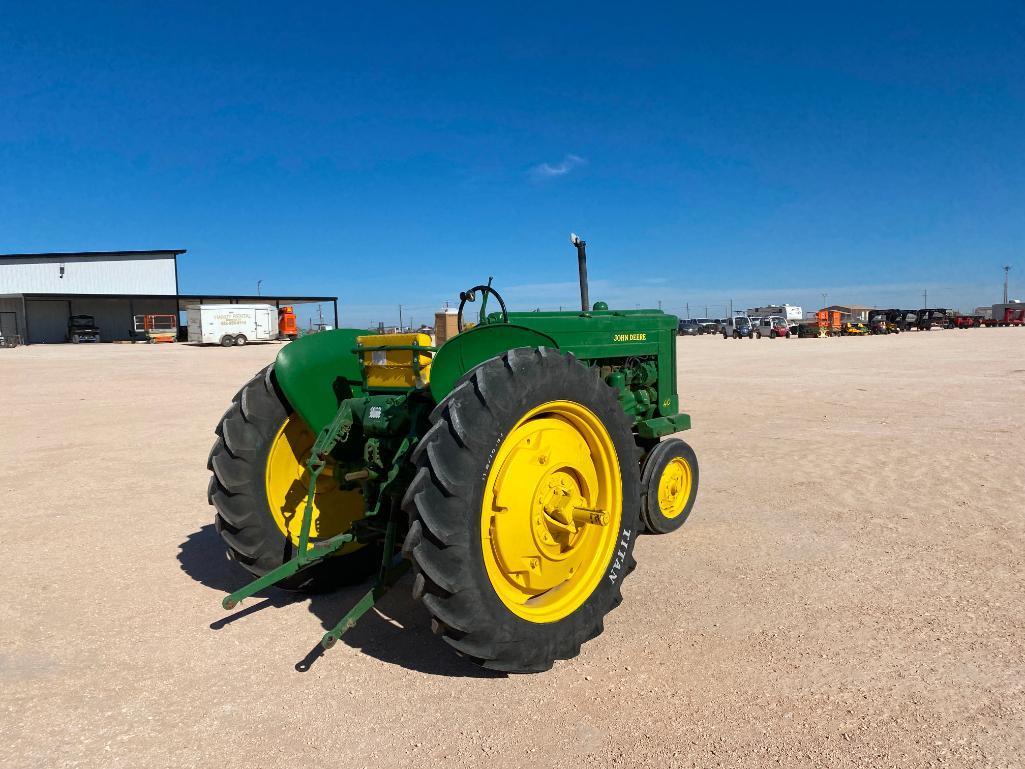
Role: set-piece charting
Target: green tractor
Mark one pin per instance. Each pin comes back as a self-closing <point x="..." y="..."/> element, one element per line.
<point x="513" y="467"/>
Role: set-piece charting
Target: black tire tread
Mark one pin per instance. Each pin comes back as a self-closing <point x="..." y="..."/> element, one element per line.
<point x="448" y="461"/>
<point x="256" y="411"/>
<point x="649" y="485"/>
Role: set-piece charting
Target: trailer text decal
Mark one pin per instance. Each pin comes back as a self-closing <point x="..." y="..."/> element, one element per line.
<point x="629" y="337"/>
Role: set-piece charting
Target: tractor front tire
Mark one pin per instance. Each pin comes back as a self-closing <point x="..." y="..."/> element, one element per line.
<point x="256" y="427"/>
<point x="526" y="448"/>
<point x="669" y="486"/>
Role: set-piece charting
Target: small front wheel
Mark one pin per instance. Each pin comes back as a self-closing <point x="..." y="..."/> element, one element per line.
<point x="669" y="486"/>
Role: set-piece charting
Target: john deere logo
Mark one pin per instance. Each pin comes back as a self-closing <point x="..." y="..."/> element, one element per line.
<point x="629" y="337"/>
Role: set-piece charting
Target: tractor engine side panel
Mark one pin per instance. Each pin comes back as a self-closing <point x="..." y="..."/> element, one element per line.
<point x="618" y="340"/>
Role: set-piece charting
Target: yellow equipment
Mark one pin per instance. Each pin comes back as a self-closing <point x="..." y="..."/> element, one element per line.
<point x="395" y="360"/>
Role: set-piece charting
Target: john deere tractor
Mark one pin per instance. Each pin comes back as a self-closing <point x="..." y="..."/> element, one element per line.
<point x="513" y="467"/>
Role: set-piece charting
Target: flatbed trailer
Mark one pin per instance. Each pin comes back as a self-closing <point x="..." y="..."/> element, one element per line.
<point x="967" y="321"/>
<point x="1011" y="317"/>
<point x="932" y="317"/>
<point x="902" y="319"/>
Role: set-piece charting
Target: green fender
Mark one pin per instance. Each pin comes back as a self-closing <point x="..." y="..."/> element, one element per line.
<point x="316" y="372"/>
<point x="471" y="348"/>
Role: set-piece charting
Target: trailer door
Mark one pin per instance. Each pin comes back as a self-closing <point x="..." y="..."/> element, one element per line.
<point x="263" y="324"/>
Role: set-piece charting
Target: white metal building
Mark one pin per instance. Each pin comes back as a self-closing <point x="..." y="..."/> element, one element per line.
<point x="39" y="292"/>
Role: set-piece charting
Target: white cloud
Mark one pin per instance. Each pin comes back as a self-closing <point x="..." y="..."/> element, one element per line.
<point x="550" y="171"/>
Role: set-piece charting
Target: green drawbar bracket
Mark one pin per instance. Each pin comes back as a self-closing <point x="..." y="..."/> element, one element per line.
<point x="662" y="426"/>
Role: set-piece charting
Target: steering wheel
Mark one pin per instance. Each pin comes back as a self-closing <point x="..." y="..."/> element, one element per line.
<point x="471" y="296"/>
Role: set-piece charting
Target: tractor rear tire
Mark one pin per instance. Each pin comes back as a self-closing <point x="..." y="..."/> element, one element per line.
<point x="669" y="486"/>
<point x="481" y="534"/>
<point x="238" y="492"/>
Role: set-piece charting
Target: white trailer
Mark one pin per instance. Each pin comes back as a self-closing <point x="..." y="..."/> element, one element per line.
<point x="791" y="312"/>
<point x="232" y="324"/>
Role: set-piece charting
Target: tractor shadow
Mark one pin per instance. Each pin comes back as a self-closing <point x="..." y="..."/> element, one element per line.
<point x="396" y="631"/>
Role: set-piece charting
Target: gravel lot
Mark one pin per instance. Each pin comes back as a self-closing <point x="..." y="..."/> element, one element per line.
<point x="850" y="590"/>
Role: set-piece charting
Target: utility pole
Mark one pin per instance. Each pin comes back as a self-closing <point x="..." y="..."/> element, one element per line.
<point x="824" y="295"/>
<point x="706" y="312"/>
<point x="688" y="310"/>
<point x="731" y="308"/>
<point x="1007" y="269"/>
<point x="925" y="299"/>
<point x="660" y="305"/>
<point x="260" y="282"/>
<point x="400" y="318"/>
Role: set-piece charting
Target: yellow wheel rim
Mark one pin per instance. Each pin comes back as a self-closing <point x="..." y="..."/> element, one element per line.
<point x="674" y="487"/>
<point x="551" y="511"/>
<point x="287" y="479"/>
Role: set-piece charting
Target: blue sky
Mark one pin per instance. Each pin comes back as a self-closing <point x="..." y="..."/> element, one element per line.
<point x="398" y="152"/>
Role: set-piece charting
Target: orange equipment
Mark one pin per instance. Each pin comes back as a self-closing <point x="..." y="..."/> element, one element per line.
<point x="829" y="322"/>
<point x="287" y="327"/>
<point x="157" y="328"/>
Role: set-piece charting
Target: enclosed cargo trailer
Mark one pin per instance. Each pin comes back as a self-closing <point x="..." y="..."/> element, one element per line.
<point x="232" y="324"/>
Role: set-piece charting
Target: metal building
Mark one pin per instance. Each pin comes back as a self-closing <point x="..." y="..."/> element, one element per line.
<point x="855" y="313"/>
<point x="39" y="292"/>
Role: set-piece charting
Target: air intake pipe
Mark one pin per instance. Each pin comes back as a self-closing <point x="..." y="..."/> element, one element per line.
<point x="585" y="303"/>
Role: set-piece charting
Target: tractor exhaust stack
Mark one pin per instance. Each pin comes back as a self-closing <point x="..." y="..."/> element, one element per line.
<point x="585" y="303"/>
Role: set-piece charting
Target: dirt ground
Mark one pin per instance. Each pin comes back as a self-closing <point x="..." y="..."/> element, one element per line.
<point x="850" y="590"/>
